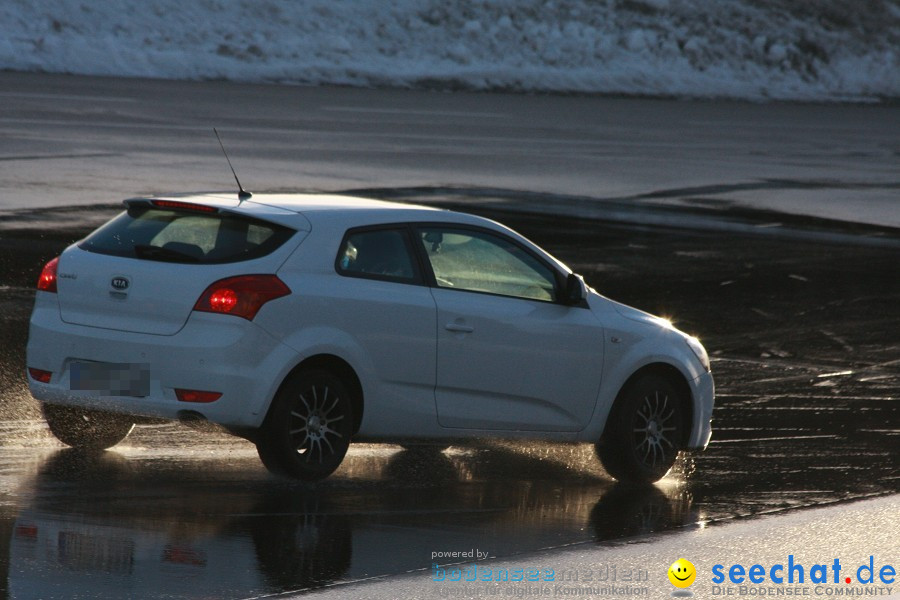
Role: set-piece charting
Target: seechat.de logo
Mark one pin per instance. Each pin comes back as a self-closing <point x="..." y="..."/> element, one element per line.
<point x="682" y="574"/>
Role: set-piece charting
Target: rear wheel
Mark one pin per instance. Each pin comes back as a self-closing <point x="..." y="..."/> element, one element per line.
<point x="645" y="431"/>
<point x="86" y="429"/>
<point x="307" y="431"/>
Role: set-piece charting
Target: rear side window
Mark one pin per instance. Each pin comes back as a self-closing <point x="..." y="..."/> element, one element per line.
<point x="172" y="235"/>
<point x="377" y="254"/>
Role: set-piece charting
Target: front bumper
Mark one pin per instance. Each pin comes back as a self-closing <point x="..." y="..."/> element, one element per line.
<point x="704" y="399"/>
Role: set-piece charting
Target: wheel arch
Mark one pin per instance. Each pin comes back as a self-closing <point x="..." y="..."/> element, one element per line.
<point x="674" y="376"/>
<point x="340" y="368"/>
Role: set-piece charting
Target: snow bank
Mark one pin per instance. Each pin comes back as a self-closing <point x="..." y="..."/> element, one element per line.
<point x="777" y="49"/>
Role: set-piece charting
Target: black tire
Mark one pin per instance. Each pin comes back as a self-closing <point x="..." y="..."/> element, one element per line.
<point x="87" y="429"/>
<point x="307" y="431"/>
<point x="628" y="510"/>
<point x="645" y="431"/>
<point x="300" y="545"/>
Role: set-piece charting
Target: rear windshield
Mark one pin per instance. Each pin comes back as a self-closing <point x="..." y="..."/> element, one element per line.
<point x="168" y="235"/>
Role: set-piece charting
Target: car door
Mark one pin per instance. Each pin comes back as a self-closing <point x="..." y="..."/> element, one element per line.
<point x="509" y="355"/>
<point x="381" y="299"/>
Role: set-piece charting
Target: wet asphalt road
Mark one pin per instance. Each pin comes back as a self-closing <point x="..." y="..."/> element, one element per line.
<point x="803" y="336"/>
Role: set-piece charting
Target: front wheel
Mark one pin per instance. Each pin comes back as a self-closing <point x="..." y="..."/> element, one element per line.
<point x="645" y="431"/>
<point x="307" y="431"/>
<point x="86" y="429"/>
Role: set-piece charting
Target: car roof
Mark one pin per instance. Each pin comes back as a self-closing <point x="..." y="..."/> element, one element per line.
<point x="301" y="211"/>
<point x="334" y="212"/>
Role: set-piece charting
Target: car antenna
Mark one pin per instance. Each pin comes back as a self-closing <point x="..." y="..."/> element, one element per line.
<point x="242" y="194"/>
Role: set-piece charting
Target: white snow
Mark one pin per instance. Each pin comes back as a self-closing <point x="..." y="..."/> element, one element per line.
<point x="831" y="50"/>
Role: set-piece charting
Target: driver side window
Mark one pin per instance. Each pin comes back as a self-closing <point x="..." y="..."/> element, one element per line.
<point x="479" y="261"/>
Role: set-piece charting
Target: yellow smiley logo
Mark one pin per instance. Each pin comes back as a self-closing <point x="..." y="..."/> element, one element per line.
<point x="682" y="573"/>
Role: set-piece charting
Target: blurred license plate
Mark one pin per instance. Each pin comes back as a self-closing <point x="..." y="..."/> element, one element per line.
<point x="113" y="379"/>
<point x="83" y="552"/>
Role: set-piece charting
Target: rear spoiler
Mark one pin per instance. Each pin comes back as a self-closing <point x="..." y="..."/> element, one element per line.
<point x="172" y="205"/>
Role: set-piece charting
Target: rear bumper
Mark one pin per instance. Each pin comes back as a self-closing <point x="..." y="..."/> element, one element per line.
<point x="210" y="353"/>
<point x="704" y="399"/>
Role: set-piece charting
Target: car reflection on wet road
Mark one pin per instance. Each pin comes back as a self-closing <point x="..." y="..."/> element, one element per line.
<point x="199" y="526"/>
<point x="807" y="365"/>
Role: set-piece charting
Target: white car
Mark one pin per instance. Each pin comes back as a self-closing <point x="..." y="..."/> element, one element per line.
<point x="302" y="322"/>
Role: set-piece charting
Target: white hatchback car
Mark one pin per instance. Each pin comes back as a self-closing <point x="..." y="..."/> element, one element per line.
<point x="304" y="321"/>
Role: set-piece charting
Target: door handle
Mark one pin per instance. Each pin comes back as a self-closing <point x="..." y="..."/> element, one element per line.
<point x="459" y="328"/>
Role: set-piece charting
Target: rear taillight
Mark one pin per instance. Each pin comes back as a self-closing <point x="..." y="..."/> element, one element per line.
<point x="27" y="532"/>
<point x="198" y="396"/>
<point x="184" y="555"/>
<point x="241" y="296"/>
<point x="47" y="280"/>
<point x="40" y="375"/>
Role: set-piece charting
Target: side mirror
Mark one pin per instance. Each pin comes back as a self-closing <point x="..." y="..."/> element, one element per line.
<point x="575" y="291"/>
